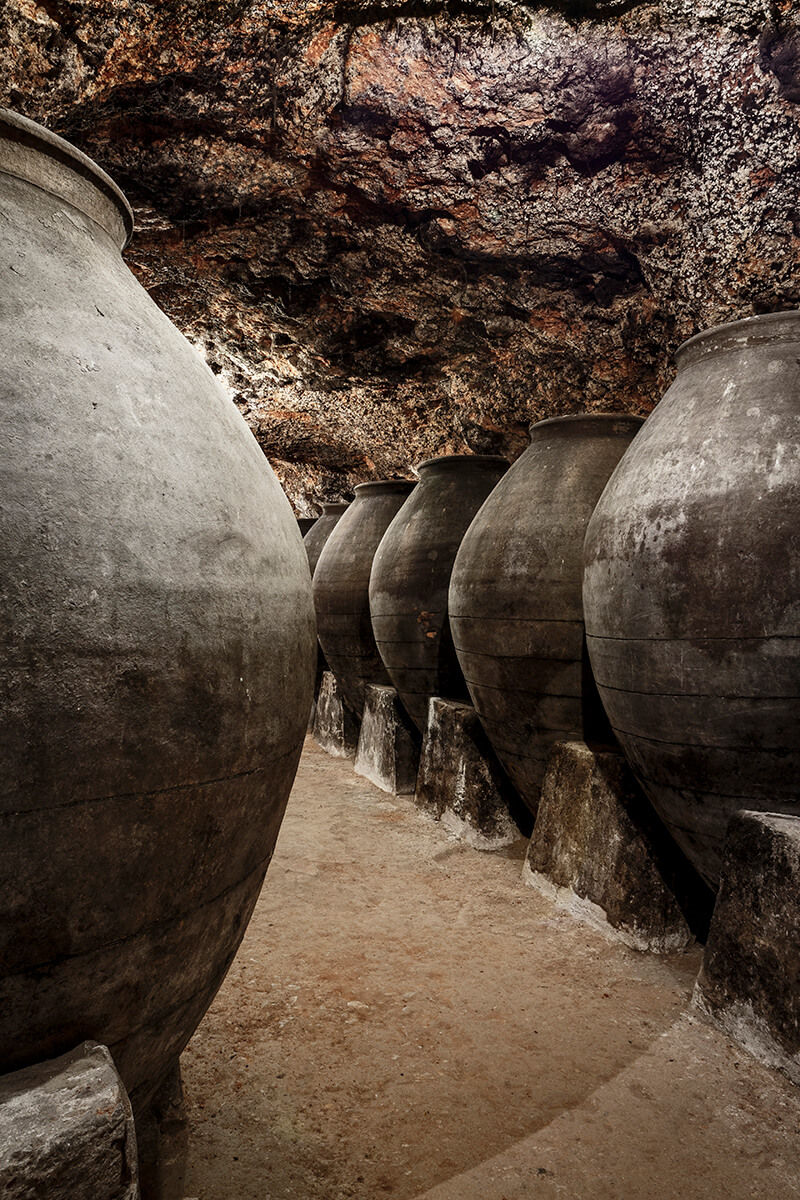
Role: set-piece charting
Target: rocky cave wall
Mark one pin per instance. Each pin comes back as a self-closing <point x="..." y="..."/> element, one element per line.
<point x="399" y="229"/>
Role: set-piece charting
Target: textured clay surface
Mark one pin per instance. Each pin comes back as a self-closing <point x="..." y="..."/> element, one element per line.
<point x="399" y="228"/>
<point x="157" y="648"/>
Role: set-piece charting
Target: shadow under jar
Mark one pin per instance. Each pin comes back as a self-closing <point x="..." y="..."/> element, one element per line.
<point x="692" y="587"/>
<point x="341" y="589"/>
<point x="516" y="609"/>
<point x="411" y="576"/>
<point x="157" y="650"/>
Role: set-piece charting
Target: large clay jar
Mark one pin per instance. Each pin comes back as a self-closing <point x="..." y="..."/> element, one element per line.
<point x="692" y="587"/>
<point x="411" y="576"/>
<point x="157" y="646"/>
<point x="515" y="595"/>
<point x="314" y="541"/>
<point x="341" y="589"/>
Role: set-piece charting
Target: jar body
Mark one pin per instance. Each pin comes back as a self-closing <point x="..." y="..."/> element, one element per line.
<point x="341" y="589"/>
<point x="692" y="587"/>
<point x="314" y="541"/>
<point x="411" y="576"/>
<point x="515" y="595"/>
<point x="157" y="645"/>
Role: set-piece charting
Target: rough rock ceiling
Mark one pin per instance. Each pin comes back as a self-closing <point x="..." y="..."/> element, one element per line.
<point x="402" y="229"/>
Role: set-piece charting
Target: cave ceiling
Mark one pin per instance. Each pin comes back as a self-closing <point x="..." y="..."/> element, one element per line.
<point x="404" y="229"/>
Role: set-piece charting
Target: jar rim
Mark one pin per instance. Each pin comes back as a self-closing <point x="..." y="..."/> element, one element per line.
<point x="599" y="420"/>
<point x="19" y="130"/>
<point x="472" y="459"/>
<point x="761" y="328"/>
<point x="386" y="485"/>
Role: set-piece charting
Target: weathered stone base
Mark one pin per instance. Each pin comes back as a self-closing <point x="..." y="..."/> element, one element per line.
<point x="749" y="983"/>
<point x="319" y="671"/>
<point x="599" y="850"/>
<point x="335" y="728"/>
<point x="163" y="1134"/>
<point x="66" y="1130"/>
<point x="388" y="744"/>
<point x="461" y="783"/>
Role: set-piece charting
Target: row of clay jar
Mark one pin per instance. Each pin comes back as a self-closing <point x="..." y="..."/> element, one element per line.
<point x="622" y="580"/>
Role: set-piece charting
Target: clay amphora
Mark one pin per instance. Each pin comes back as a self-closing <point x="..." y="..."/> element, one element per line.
<point x="314" y="542"/>
<point x="323" y="527"/>
<point x="157" y="649"/>
<point x="693" y="583"/>
<point x="411" y="576"/>
<point x="304" y="524"/>
<point x="341" y="589"/>
<point x="515" y="595"/>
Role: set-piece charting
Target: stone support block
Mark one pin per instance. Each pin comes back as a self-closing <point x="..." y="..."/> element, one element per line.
<point x="461" y="783"/>
<point x="599" y="850"/>
<point x="66" y="1130"/>
<point x="749" y="983"/>
<point x="388" y="744"/>
<point x="335" y="728"/>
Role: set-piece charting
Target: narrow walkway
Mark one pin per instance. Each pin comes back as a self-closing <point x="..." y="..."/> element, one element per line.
<point x="405" y="1019"/>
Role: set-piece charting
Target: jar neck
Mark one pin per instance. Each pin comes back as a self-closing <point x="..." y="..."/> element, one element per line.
<point x="455" y="462"/>
<point x="32" y="153"/>
<point x="383" y="487"/>
<point x="587" y="425"/>
<point x="763" y="330"/>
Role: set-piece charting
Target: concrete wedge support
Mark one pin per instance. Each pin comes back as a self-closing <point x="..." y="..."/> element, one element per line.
<point x="600" y="851"/>
<point x="334" y="728"/>
<point x="748" y="983"/>
<point x="461" y="783"/>
<point x="66" y="1130"/>
<point x="388" y="744"/>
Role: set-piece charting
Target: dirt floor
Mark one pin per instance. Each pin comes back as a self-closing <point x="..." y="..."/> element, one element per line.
<point x="405" y="1018"/>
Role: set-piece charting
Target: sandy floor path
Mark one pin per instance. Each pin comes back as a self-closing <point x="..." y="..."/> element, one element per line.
<point x="406" y="1019"/>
